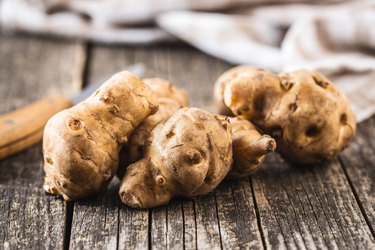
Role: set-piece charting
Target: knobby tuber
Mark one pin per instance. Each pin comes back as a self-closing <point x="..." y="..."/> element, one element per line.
<point x="170" y="99"/>
<point x="308" y="116"/>
<point x="187" y="155"/>
<point x="249" y="148"/>
<point x="81" y="144"/>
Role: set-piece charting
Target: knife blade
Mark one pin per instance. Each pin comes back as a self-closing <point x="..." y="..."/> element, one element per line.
<point x="23" y="127"/>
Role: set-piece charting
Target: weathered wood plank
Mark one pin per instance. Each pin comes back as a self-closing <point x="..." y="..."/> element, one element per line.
<point x="133" y="228"/>
<point x="309" y="207"/>
<point x="237" y="217"/>
<point x="208" y="227"/>
<point x="95" y="221"/>
<point x="167" y="227"/>
<point x="30" y="69"/>
<point x="30" y="219"/>
<point x="190" y="224"/>
<point x="359" y="163"/>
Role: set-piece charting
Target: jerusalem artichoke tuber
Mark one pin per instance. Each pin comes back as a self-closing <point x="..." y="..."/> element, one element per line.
<point x="170" y="99"/>
<point x="308" y="116"/>
<point x="187" y="155"/>
<point x="249" y="148"/>
<point x="81" y="144"/>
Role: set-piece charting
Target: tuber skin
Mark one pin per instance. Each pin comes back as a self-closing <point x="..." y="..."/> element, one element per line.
<point x="308" y="116"/>
<point x="165" y="89"/>
<point x="81" y="144"/>
<point x="170" y="99"/>
<point x="230" y="76"/>
<point x="249" y="148"/>
<point x="187" y="155"/>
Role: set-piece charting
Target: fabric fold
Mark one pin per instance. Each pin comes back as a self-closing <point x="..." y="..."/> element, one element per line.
<point x="335" y="37"/>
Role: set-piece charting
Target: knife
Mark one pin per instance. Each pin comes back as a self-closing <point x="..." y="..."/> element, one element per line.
<point x="24" y="127"/>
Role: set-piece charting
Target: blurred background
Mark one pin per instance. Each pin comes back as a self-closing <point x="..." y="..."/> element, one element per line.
<point x="335" y="37"/>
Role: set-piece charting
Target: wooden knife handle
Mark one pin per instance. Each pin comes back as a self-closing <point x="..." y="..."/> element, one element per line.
<point x="24" y="127"/>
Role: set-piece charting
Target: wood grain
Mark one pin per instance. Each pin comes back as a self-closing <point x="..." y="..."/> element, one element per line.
<point x="31" y="69"/>
<point x="29" y="219"/>
<point x="237" y="216"/>
<point x="359" y="164"/>
<point x="133" y="228"/>
<point x="95" y="221"/>
<point x="309" y="208"/>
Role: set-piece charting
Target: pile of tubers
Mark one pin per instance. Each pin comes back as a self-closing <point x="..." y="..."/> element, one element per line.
<point x="144" y="131"/>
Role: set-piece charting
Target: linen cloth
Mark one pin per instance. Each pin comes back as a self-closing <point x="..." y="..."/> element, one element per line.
<point x="334" y="37"/>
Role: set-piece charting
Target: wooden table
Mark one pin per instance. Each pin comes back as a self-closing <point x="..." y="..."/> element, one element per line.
<point x="282" y="206"/>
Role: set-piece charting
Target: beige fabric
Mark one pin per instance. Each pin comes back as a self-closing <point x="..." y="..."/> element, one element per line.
<point x="335" y="37"/>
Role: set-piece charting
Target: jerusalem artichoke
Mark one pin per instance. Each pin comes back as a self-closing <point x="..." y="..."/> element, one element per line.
<point x="170" y="99"/>
<point x="81" y="144"/>
<point x="187" y="155"/>
<point x="249" y="148"/>
<point x="308" y="116"/>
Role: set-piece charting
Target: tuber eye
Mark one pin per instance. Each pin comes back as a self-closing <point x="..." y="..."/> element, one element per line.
<point x="286" y="83"/>
<point x="49" y="160"/>
<point x="74" y="124"/>
<point x="293" y="107"/>
<point x="312" y="131"/>
<point x="194" y="158"/>
<point x="223" y="121"/>
<point x="320" y="82"/>
<point x="170" y="134"/>
<point x="160" y="180"/>
<point x="343" y="119"/>
<point x="106" y="97"/>
<point x="61" y="184"/>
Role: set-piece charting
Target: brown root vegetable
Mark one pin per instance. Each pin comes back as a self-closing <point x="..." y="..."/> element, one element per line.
<point x="308" y="116"/>
<point x="249" y="148"/>
<point x="230" y="76"/>
<point x="164" y="89"/>
<point x="187" y="155"/>
<point x="81" y="145"/>
<point x="170" y="99"/>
